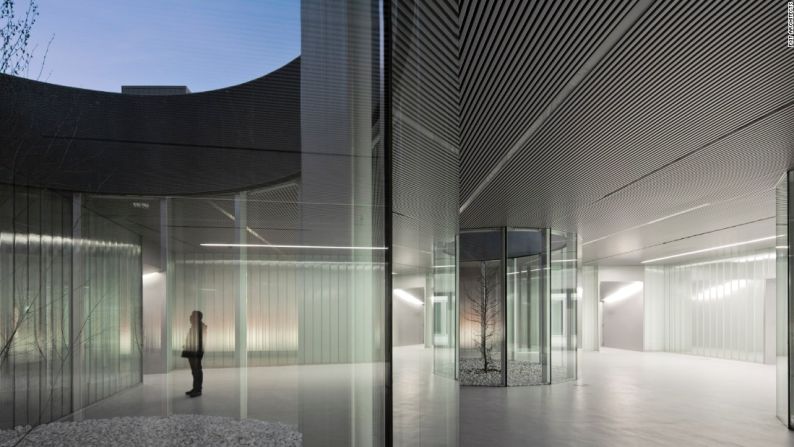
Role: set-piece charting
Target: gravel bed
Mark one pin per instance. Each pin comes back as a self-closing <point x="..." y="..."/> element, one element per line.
<point x="471" y="373"/>
<point x="519" y="373"/>
<point x="175" y="430"/>
<point x="524" y="373"/>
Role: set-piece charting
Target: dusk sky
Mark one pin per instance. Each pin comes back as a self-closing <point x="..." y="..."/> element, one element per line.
<point x="101" y="44"/>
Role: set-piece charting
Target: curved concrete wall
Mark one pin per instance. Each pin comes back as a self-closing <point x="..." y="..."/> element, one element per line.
<point x="82" y="140"/>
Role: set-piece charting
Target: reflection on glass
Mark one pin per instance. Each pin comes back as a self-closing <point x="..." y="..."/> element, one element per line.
<point x="526" y="340"/>
<point x="260" y="205"/>
<point x="783" y="368"/>
<point x="563" y="279"/>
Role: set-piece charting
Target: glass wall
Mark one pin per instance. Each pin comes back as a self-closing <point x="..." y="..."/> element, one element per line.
<point x="254" y="189"/>
<point x="71" y="306"/>
<point x="539" y="306"/>
<point x="783" y="290"/>
<point x="563" y="269"/>
<point x="527" y="352"/>
<point x="107" y="309"/>
<point x="712" y="308"/>
<point x="425" y="176"/>
<point x="482" y="308"/>
<point x="36" y="249"/>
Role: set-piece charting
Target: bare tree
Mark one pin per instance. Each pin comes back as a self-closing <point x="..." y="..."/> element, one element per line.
<point x="15" y="55"/>
<point x="15" y="32"/>
<point x="483" y="311"/>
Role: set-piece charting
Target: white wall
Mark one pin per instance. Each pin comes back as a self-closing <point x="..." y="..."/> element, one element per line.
<point x="409" y="319"/>
<point x="623" y="273"/>
<point x="590" y="329"/>
<point x="618" y="319"/>
<point x="623" y="317"/>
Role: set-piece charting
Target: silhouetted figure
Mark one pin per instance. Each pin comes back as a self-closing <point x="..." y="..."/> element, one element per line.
<point x="194" y="351"/>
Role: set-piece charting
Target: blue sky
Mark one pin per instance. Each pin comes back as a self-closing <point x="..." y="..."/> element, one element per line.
<point x="203" y="44"/>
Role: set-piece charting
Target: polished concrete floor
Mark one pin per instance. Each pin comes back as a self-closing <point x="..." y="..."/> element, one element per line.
<point x="631" y="398"/>
<point x="621" y="398"/>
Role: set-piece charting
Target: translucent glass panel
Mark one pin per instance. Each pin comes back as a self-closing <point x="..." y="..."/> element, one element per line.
<point x="274" y="211"/>
<point x="425" y="200"/>
<point x="70" y="300"/>
<point x="299" y="311"/>
<point x="296" y="323"/>
<point x="108" y="308"/>
<point x="782" y="316"/>
<point x="563" y="302"/>
<point x="711" y="308"/>
<point x="36" y="248"/>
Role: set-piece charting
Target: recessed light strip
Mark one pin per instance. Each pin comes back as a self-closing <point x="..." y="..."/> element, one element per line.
<point x="647" y="223"/>
<point x="624" y="292"/>
<point x="319" y="247"/>
<point x="407" y="297"/>
<point x="720" y="247"/>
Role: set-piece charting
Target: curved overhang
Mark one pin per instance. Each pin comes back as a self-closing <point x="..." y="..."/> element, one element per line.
<point x="230" y="139"/>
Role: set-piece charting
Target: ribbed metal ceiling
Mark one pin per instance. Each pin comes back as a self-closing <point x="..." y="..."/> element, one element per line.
<point x="603" y="116"/>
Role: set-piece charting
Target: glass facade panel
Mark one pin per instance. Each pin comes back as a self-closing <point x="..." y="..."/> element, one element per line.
<point x="689" y="308"/>
<point x="782" y="316"/>
<point x="527" y="356"/>
<point x="563" y="270"/>
<point x="265" y="206"/>
<point x="71" y="319"/>
<point x="481" y="270"/>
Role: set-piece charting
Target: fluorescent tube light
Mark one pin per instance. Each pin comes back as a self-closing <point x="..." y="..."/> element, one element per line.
<point x="407" y="297"/>
<point x="624" y="292"/>
<point x="150" y="275"/>
<point x="320" y="247"/>
<point x="647" y="223"/>
<point x="720" y="247"/>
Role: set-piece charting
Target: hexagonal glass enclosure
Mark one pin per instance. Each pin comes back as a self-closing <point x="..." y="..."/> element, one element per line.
<point x="518" y="321"/>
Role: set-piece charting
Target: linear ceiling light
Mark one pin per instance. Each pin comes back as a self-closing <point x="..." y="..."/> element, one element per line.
<point x="711" y="249"/>
<point x="647" y="223"/>
<point x="624" y="292"/>
<point x="407" y="297"/>
<point x="320" y="247"/>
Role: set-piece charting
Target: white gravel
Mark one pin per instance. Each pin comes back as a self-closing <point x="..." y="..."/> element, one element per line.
<point x="524" y="373"/>
<point x="175" y="430"/>
<point x="471" y="373"/>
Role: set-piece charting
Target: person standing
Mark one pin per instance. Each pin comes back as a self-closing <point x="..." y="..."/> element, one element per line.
<point x="194" y="351"/>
